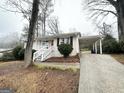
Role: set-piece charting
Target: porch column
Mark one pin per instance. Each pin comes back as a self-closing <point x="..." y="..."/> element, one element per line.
<point x="93" y="47"/>
<point x="100" y="46"/>
<point x="96" y="47"/>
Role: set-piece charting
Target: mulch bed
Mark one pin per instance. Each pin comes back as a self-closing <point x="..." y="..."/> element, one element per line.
<point x="72" y="59"/>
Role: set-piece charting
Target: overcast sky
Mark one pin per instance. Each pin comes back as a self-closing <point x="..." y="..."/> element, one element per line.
<point x="69" y="12"/>
<point x="71" y="15"/>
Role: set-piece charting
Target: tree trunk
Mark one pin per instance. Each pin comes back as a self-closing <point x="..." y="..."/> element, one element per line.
<point x="120" y="11"/>
<point x="119" y="6"/>
<point x="122" y="18"/>
<point x="37" y="30"/>
<point x="44" y="25"/>
<point x="119" y="27"/>
<point x="31" y="32"/>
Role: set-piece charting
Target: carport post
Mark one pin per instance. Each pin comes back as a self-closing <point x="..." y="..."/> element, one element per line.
<point x="100" y="46"/>
<point x="93" y="47"/>
<point x="96" y="47"/>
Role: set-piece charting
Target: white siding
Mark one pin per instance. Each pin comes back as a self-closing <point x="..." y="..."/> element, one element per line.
<point x="75" y="46"/>
<point x="75" y="51"/>
<point x="56" y="53"/>
<point x="37" y="45"/>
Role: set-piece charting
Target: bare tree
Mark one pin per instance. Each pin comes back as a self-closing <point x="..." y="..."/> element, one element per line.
<point x="46" y="7"/>
<point x="24" y="34"/>
<point x="53" y="24"/>
<point x="24" y="7"/>
<point x="20" y="6"/>
<point x="32" y="25"/>
<point x="105" y="7"/>
<point x="105" y="29"/>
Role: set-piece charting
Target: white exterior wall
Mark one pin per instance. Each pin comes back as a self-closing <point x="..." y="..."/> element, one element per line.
<point x="75" y="51"/>
<point x="37" y="45"/>
<point x="55" y="50"/>
<point x="56" y="53"/>
<point x="75" y="46"/>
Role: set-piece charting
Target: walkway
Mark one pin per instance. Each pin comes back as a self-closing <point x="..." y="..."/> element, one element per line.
<point x="100" y="74"/>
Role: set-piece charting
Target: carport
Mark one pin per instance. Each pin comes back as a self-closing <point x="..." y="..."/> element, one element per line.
<point x="94" y="41"/>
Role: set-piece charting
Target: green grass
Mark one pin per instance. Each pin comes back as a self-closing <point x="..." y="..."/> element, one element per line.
<point x="48" y="67"/>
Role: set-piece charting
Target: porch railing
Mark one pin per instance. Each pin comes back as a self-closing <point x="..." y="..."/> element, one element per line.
<point x="43" y="54"/>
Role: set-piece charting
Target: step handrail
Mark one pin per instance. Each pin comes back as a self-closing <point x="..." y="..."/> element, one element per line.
<point x="38" y="53"/>
<point x="44" y="52"/>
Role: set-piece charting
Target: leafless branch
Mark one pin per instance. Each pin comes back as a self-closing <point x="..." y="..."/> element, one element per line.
<point x="109" y="11"/>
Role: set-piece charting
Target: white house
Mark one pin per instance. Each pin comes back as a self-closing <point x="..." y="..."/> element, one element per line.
<point x="47" y="46"/>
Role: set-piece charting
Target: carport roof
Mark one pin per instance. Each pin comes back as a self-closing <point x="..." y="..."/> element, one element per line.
<point x="89" y="40"/>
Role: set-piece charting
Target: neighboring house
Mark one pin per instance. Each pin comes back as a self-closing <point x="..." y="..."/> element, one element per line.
<point x="2" y="51"/>
<point x="48" y="46"/>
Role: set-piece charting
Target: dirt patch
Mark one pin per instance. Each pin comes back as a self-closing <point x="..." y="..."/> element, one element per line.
<point x="59" y="82"/>
<point x="119" y="57"/>
<point x="33" y="80"/>
<point x="8" y="67"/>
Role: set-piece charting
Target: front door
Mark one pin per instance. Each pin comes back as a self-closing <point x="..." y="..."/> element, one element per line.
<point x="46" y="44"/>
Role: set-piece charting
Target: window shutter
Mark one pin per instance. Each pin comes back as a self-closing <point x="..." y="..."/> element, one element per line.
<point x="71" y="41"/>
<point x="57" y="41"/>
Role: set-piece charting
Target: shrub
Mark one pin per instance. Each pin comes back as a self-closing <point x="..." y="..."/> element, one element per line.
<point x="121" y="44"/>
<point x="16" y="51"/>
<point x="110" y="45"/>
<point x="16" y="54"/>
<point x="65" y="49"/>
<point x="33" y="52"/>
<point x="7" y="57"/>
<point x="22" y="52"/>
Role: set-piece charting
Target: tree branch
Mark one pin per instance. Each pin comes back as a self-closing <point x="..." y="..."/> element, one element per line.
<point x="114" y="3"/>
<point x="105" y="11"/>
<point x="10" y="10"/>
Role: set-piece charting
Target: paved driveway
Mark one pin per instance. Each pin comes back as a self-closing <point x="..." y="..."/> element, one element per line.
<point x="100" y="74"/>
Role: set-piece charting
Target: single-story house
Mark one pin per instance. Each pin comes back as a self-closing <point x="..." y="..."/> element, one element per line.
<point x="47" y="46"/>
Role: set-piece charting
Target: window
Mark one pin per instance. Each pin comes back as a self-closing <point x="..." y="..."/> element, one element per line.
<point x="61" y="41"/>
<point x="67" y="41"/>
<point x="45" y="44"/>
<point x="64" y="41"/>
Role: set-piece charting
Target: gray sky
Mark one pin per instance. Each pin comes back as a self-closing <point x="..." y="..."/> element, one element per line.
<point x="9" y="23"/>
<point x="70" y="14"/>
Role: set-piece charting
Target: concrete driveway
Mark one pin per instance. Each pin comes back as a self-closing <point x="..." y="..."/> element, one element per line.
<point x="100" y="74"/>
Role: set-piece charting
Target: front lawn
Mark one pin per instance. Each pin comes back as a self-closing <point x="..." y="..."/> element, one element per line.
<point x="33" y="80"/>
